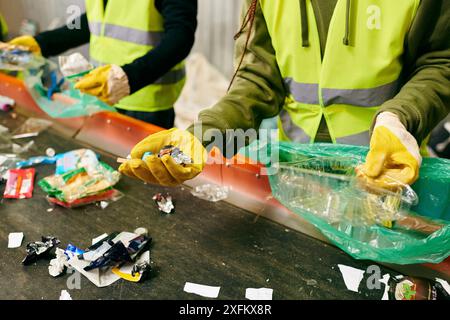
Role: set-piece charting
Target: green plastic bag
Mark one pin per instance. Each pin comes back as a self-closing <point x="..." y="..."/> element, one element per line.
<point x="376" y="242"/>
<point x="86" y="105"/>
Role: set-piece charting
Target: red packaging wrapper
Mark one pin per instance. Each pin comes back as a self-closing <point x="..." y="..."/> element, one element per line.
<point x="20" y="184"/>
<point x="112" y="194"/>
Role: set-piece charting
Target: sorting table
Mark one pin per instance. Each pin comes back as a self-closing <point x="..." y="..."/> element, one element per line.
<point x="207" y="243"/>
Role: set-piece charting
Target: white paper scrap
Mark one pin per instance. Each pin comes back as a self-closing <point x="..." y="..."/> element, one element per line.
<point x="65" y="295"/>
<point x="101" y="237"/>
<point x="202" y="290"/>
<point x="258" y="294"/>
<point x="15" y="240"/>
<point x="444" y="284"/>
<point x="385" y="280"/>
<point x="101" y="278"/>
<point x="352" y="277"/>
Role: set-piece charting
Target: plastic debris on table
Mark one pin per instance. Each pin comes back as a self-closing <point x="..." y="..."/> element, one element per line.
<point x="107" y="197"/>
<point x="40" y="249"/>
<point x="164" y="203"/>
<point x="20" y="184"/>
<point x="118" y="255"/>
<point x="58" y="265"/>
<point x="81" y="179"/>
<point x="211" y="192"/>
<point x="36" y="161"/>
<point x="50" y="152"/>
<point x="33" y="126"/>
<point x="7" y="162"/>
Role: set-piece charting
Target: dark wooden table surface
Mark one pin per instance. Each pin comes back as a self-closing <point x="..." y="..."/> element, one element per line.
<point x="207" y="243"/>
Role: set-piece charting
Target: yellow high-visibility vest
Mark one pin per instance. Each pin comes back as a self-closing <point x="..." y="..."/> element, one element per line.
<point x="124" y="32"/>
<point x="352" y="80"/>
<point x="3" y="27"/>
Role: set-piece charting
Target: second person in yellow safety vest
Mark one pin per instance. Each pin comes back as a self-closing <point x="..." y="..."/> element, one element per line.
<point x="139" y="47"/>
<point x="366" y="72"/>
<point x="3" y="28"/>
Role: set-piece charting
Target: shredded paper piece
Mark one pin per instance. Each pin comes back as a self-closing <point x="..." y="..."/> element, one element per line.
<point x="258" y="294"/>
<point x="15" y="240"/>
<point x="65" y="295"/>
<point x="352" y="277"/>
<point x="202" y="290"/>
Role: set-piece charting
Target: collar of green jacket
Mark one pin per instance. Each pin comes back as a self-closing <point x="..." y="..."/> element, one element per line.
<point x="304" y="21"/>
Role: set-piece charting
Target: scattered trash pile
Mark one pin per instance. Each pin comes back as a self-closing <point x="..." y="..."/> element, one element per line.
<point x="123" y="255"/>
<point x="80" y="178"/>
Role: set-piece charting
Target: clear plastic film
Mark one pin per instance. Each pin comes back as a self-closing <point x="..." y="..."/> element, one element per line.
<point x="328" y="188"/>
<point x="318" y="182"/>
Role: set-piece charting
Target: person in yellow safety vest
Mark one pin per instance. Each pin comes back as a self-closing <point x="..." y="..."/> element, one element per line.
<point x="139" y="49"/>
<point x="3" y="28"/>
<point x="353" y="72"/>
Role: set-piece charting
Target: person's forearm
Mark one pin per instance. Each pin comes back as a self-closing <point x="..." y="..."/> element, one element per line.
<point x="180" y="24"/>
<point x="258" y="91"/>
<point x="424" y="99"/>
<point x="55" y="42"/>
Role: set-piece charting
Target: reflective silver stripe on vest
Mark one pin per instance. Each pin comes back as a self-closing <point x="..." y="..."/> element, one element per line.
<point x="360" y="97"/>
<point x="172" y="77"/>
<point x="360" y="139"/>
<point x="146" y="38"/>
<point x="303" y="92"/>
<point x="292" y="131"/>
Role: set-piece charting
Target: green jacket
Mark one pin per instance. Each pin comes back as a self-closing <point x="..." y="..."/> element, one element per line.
<point x="258" y="91"/>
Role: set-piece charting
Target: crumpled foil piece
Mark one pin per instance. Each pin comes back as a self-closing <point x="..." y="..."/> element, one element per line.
<point x="38" y="249"/>
<point x="164" y="203"/>
<point x="178" y="156"/>
<point x="211" y="192"/>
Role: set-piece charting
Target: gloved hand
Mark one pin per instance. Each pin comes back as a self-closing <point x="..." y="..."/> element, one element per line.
<point x="109" y="83"/>
<point x="165" y="171"/>
<point x="27" y="42"/>
<point x="394" y="154"/>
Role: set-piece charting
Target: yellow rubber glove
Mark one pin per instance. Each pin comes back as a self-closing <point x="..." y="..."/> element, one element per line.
<point x="394" y="156"/>
<point x="27" y="42"/>
<point x="109" y="83"/>
<point x="165" y="171"/>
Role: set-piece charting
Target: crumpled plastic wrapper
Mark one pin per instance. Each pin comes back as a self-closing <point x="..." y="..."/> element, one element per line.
<point x="18" y="58"/>
<point x="58" y="265"/>
<point x="40" y="249"/>
<point x="74" y="64"/>
<point x="211" y="192"/>
<point x="164" y="203"/>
